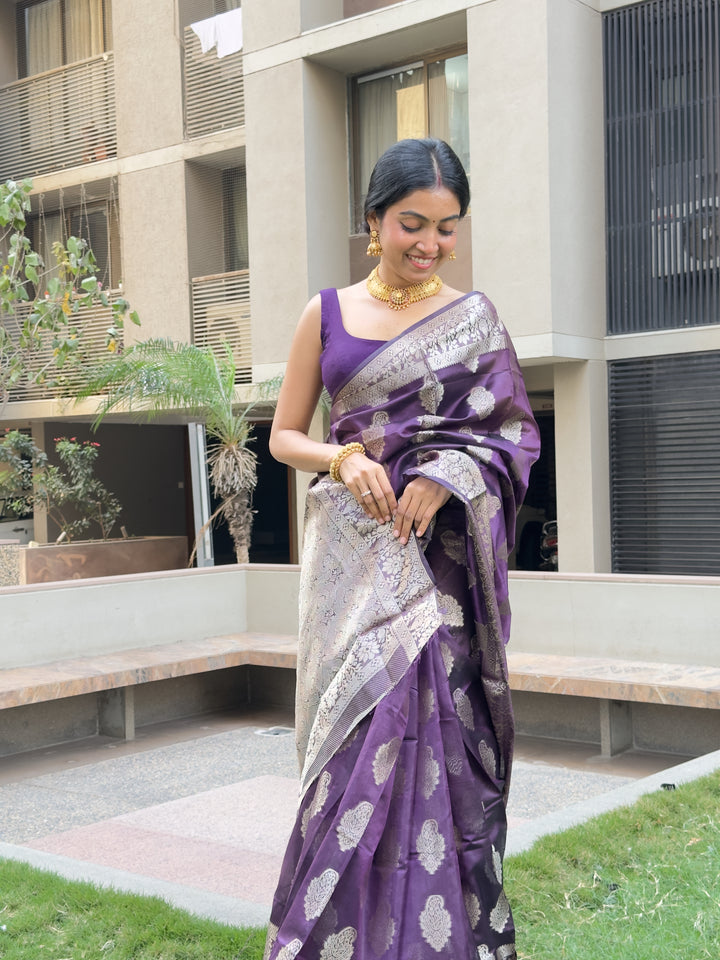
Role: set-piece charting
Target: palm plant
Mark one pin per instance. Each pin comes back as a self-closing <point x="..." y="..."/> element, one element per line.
<point x="156" y="376"/>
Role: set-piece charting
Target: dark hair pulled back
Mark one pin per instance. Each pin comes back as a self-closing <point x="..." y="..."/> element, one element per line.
<point x="410" y="165"/>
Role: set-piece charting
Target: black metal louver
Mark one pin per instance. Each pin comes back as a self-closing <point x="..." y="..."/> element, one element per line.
<point x="665" y="464"/>
<point x="662" y="113"/>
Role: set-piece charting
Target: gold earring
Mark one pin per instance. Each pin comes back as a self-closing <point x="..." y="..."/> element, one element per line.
<point x="452" y="255"/>
<point x="374" y="249"/>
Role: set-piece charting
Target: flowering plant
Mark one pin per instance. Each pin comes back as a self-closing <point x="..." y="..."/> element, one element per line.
<point x="70" y="492"/>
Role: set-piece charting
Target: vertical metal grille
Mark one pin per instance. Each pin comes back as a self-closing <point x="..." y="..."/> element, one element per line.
<point x="665" y="464"/>
<point x="662" y="103"/>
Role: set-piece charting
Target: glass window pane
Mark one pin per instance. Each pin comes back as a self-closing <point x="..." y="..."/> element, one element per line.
<point x="448" y="104"/>
<point x="92" y="225"/>
<point x="389" y="108"/>
<point x="235" y="216"/>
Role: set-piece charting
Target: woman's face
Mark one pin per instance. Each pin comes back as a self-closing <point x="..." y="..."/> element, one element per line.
<point x="417" y="234"/>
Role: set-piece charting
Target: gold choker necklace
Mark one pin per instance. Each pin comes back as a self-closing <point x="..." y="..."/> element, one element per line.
<point x="397" y="298"/>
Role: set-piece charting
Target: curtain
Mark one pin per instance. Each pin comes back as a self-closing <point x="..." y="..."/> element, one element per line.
<point x="389" y="108"/>
<point x="43" y="37"/>
<point x="83" y="29"/>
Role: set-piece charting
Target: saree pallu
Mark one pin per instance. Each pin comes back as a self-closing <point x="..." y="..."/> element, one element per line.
<point x="403" y="714"/>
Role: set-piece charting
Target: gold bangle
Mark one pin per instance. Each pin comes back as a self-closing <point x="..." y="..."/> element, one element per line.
<point x="343" y="453"/>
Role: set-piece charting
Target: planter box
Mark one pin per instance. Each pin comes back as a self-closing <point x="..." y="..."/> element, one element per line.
<point x="83" y="559"/>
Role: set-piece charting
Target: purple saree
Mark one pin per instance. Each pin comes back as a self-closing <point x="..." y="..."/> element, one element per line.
<point x="404" y="721"/>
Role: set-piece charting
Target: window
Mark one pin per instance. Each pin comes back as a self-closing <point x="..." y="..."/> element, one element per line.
<point x="662" y="111"/>
<point x="235" y="219"/>
<point x="92" y="223"/>
<point x="665" y="464"/>
<point x="52" y="33"/>
<point x="426" y="98"/>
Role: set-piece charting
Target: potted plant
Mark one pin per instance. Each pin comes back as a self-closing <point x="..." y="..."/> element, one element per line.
<point x="153" y="377"/>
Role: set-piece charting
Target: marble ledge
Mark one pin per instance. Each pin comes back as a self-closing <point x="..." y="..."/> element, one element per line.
<point x="676" y="684"/>
<point x="67" y="678"/>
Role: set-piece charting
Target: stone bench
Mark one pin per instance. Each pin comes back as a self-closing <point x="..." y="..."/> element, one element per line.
<point x="617" y="686"/>
<point x="114" y="677"/>
<point x="611" y="687"/>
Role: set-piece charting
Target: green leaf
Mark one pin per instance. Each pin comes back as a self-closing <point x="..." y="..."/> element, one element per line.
<point x="31" y="273"/>
<point x="74" y="246"/>
<point x="89" y="284"/>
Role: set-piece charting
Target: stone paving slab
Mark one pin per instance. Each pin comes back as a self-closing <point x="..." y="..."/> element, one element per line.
<point x="204" y="823"/>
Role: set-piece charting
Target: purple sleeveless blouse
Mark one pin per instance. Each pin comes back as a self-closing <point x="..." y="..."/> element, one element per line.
<point x="341" y="353"/>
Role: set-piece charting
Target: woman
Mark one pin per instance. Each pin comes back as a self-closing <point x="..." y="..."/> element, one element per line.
<point x="404" y="722"/>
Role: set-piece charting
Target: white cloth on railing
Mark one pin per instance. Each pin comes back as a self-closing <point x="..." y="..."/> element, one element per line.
<point x="223" y="31"/>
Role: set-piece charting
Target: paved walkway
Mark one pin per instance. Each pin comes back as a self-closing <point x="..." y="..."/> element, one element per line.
<point x="199" y="812"/>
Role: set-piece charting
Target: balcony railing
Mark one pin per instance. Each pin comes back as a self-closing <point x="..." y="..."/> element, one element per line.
<point x="221" y="317"/>
<point x="92" y="324"/>
<point x="57" y="119"/>
<point x="214" y="89"/>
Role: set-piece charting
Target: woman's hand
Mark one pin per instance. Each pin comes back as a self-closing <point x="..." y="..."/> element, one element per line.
<point x="421" y="500"/>
<point x="369" y="484"/>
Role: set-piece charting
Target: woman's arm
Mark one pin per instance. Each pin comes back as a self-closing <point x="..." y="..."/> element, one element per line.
<point x="299" y="394"/>
<point x="289" y="440"/>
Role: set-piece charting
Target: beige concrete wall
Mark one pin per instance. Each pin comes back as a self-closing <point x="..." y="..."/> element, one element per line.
<point x="155" y="255"/>
<point x="326" y="177"/>
<point x="508" y="80"/>
<point x="79" y="619"/>
<point x="659" y="619"/>
<point x="577" y="169"/>
<point x="148" y="77"/>
<point x="582" y="467"/>
<point x="277" y="215"/>
<point x="272" y="599"/>
<point x="267" y="22"/>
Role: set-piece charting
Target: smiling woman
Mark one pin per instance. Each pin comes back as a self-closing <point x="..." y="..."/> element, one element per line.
<point x="403" y="718"/>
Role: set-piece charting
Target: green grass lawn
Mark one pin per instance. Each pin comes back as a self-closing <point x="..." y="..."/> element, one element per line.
<point x="642" y="883"/>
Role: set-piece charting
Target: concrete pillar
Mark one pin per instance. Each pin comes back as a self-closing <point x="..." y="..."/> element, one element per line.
<point x="509" y="153"/>
<point x="582" y="467"/>
<point x="277" y="214"/>
<point x="116" y="713"/>
<point x="148" y="87"/>
<point x="155" y="251"/>
<point x="576" y="151"/>
<point x="298" y="219"/>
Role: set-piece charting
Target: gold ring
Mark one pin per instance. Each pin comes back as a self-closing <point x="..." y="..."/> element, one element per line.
<point x="366" y="494"/>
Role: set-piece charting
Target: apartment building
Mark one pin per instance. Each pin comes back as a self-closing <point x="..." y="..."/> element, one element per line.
<point x="222" y="192"/>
